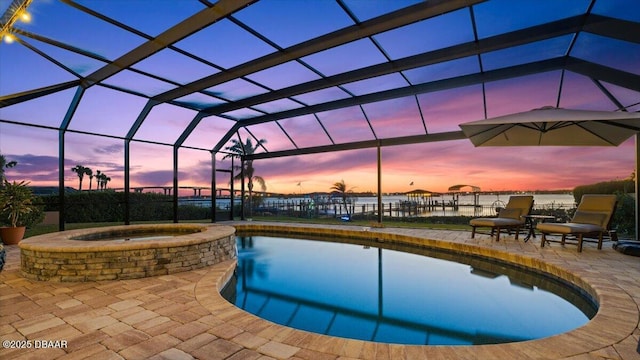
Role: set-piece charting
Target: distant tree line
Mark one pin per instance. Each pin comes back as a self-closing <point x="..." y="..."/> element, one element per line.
<point x="626" y="186"/>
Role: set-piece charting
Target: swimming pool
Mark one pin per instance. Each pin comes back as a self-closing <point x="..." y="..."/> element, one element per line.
<point x="397" y="294"/>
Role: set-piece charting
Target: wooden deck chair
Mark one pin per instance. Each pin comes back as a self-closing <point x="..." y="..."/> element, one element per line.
<point x="509" y="218"/>
<point x="592" y="219"/>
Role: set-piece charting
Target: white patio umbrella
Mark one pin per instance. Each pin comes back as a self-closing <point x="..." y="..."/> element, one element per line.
<point x="551" y="126"/>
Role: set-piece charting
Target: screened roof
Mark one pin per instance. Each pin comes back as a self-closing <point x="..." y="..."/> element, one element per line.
<point x="310" y="76"/>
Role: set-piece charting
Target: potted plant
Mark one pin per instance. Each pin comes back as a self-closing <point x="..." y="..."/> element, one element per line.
<point x="3" y="256"/>
<point x="17" y="211"/>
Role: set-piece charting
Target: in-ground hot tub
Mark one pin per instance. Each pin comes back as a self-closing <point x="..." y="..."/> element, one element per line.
<point x="125" y="252"/>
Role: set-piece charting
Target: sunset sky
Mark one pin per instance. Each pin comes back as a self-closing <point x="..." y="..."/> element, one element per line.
<point x="432" y="166"/>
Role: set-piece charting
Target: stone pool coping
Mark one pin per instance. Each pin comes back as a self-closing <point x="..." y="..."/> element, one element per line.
<point x="615" y="321"/>
<point x="63" y="242"/>
<point x="65" y="256"/>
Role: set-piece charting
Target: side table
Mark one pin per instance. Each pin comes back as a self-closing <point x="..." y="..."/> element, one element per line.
<point x="530" y="222"/>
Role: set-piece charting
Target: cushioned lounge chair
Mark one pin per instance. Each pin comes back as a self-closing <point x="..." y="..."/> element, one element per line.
<point x="592" y="219"/>
<point x="511" y="217"/>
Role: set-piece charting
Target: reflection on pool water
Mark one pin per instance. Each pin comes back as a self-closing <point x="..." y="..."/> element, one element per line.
<point x="383" y="295"/>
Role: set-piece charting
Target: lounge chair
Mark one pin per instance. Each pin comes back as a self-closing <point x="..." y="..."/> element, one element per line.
<point x="592" y="219"/>
<point x="511" y="217"/>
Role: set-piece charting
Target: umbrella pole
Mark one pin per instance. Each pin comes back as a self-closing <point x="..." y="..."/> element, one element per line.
<point x="637" y="186"/>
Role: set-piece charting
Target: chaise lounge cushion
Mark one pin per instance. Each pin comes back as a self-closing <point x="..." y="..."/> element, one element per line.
<point x="511" y="214"/>
<point x="590" y="217"/>
<point x="495" y="222"/>
<point x="569" y="228"/>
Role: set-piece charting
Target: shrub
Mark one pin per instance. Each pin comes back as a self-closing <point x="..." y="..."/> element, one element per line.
<point x="109" y="206"/>
<point x="605" y="187"/>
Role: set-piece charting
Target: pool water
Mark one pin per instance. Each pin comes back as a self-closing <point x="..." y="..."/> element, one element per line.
<point x="362" y="292"/>
<point x="132" y="236"/>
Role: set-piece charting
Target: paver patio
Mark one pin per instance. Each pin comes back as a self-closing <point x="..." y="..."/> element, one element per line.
<point x="182" y="316"/>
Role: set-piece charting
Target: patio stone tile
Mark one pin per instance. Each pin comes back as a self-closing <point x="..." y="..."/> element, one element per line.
<point x="162" y="328"/>
<point x="6" y="329"/>
<point x="96" y="323"/>
<point x="125" y="340"/>
<point x="414" y="352"/>
<point x="217" y="349"/>
<point x="26" y="308"/>
<point x="103" y="355"/>
<point x="383" y="352"/>
<point x="78" y="317"/>
<point x="189" y="330"/>
<point x="607" y="353"/>
<point x="185" y="316"/>
<point x="225" y="331"/>
<point x="327" y="344"/>
<point x="196" y="342"/>
<point x="38" y="323"/>
<point x="249" y="340"/>
<point x="115" y="329"/>
<point x="94" y="351"/>
<point x="150" y="347"/>
<point x="78" y="342"/>
<point x="157" y="304"/>
<point x="126" y="312"/>
<point x="210" y="320"/>
<point x="246" y="354"/>
<point x="170" y="309"/>
<point x="60" y="332"/>
<point x="89" y="294"/>
<point x="368" y="351"/>
<point x="151" y="323"/>
<point x="352" y="348"/>
<point x="37" y="354"/>
<point x="629" y="348"/>
<point x="307" y="354"/>
<point x="278" y="350"/>
<point x="296" y="337"/>
<point x="132" y="294"/>
<point x="68" y="303"/>
<point x="283" y="334"/>
<point x="125" y="304"/>
<point x="172" y="354"/>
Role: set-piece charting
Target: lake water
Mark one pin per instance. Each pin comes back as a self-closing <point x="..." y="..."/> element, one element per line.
<point x="325" y="205"/>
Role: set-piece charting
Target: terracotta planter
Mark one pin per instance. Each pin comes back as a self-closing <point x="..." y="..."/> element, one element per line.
<point x="12" y="235"/>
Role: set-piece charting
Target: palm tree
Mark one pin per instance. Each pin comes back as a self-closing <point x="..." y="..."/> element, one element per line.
<point x="341" y="189"/>
<point x="81" y="171"/>
<point x="101" y="180"/>
<point x="89" y="172"/>
<point x="4" y="164"/>
<point x="238" y="150"/>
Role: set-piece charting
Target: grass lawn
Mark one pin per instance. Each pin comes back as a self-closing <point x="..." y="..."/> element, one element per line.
<point x="45" y="229"/>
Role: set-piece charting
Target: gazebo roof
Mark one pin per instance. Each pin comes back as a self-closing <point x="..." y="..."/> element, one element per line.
<point x="460" y="187"/>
